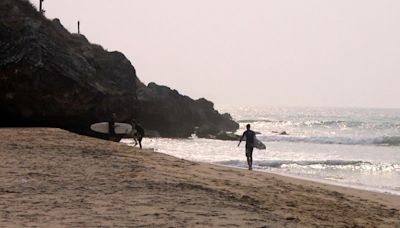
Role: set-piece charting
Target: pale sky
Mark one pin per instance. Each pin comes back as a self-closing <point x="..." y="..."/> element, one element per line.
<point x="253" y="52"/>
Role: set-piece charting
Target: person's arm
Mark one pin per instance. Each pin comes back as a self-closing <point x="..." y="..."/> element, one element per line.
<point x="241" y="138"/>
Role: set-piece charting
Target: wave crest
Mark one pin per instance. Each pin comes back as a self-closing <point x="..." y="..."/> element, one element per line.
<point x="382" y="140"/>
<point x="326" y="123"/>
<point x="320" y="164"/>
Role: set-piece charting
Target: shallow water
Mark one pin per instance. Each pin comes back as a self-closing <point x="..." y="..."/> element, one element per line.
<point x="351" y="147"/>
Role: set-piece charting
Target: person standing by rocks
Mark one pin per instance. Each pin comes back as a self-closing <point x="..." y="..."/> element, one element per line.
<point x="250" y="138"/>
<point x="111" y="124"/>
<point x="138" y="136"/>
<point x="111" y="127"/>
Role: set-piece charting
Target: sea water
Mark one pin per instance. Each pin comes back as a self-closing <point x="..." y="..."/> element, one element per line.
<point x="352" y="147"/>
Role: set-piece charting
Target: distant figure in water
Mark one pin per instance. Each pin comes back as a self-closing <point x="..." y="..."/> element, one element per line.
<point x="138" y="133"/>
<point x="280" y="133"/>
<point x="250" y="137"/>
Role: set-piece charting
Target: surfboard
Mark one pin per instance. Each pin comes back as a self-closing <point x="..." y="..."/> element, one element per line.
<point x="120" y="128"/>
<point x="257" y="144"/>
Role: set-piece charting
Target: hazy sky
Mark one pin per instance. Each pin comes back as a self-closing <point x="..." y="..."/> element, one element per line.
<point x="257" y="52"/>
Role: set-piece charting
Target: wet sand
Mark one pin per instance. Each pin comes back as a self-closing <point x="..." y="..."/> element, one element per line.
<point x="53" y="178"/>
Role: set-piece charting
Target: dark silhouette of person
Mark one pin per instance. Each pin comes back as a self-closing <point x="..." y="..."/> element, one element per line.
<point x="134" y="134"/>
<point x="111" y="124"/>
<point x="250" y="137"/>
<point x="139" y="132"/>
<point x="41" y="10"/>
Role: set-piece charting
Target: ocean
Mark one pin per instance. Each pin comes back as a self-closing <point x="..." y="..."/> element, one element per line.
<point x="351" y="147"/>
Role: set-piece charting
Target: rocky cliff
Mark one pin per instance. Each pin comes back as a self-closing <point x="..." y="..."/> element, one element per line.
<point x="175" y="115"/>
<point x="50" y="77"/>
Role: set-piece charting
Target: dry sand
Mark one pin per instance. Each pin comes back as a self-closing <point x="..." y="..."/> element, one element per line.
<point x="53" y="178"/>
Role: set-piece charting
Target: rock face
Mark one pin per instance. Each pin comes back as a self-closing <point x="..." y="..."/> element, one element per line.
<point x="174" y="115"/>
<point x="50" y="77"/>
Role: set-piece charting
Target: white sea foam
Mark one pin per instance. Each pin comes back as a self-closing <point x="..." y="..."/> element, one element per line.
<point x="355" y="140"/>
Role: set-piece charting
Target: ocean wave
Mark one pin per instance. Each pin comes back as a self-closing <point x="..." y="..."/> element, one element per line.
<point x="303" y="122"/>
<point x="382" y="140"/>
<point x="326" y="123"/>
<point x="319" y="164"/>
<point x="257" y="120"/>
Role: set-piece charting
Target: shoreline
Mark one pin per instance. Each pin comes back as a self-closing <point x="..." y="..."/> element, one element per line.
<point x="329" y="182"/>
<point x="52" y="177"/>
<point x="376" y="194"/>
<point x="343" y="185"/>
<point x="321" y="181"/>
<point x="384" y="197"/>
<point x="330" y="185"/>
<point x="365" y="187"/>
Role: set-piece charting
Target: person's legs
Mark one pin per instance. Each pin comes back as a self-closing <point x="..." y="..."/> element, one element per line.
<point x="250" y="162"/>
<point x="135" y="139"/>
<point x="140" y="141"/>
<point x="249" y="156"/>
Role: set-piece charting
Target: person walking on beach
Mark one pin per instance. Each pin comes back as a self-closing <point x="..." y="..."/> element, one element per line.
<point x="250" y="138"/>
<point x="139" y="133"/>
<point x="134" y="134"/>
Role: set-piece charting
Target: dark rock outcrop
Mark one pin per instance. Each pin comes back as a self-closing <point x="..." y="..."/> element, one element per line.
<point x="50" y="77"/>
<point x="175" y="115"/>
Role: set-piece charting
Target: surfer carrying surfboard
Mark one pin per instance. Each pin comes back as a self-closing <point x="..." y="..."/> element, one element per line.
<point x="250" y="138"/>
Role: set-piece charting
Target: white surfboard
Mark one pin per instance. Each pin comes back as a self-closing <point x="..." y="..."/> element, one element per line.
<point x="120" y="128"/>
<point x="257" y="143"/>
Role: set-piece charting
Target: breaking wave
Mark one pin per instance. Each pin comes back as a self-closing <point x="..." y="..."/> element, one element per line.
<point x="383" y="140"/>
<point x="326" y="123"/>
<point x="325" y="164"/>
<point x="258" y="120"/>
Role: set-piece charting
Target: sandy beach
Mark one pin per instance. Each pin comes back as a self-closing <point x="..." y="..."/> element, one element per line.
<point x="54" y="178"/>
